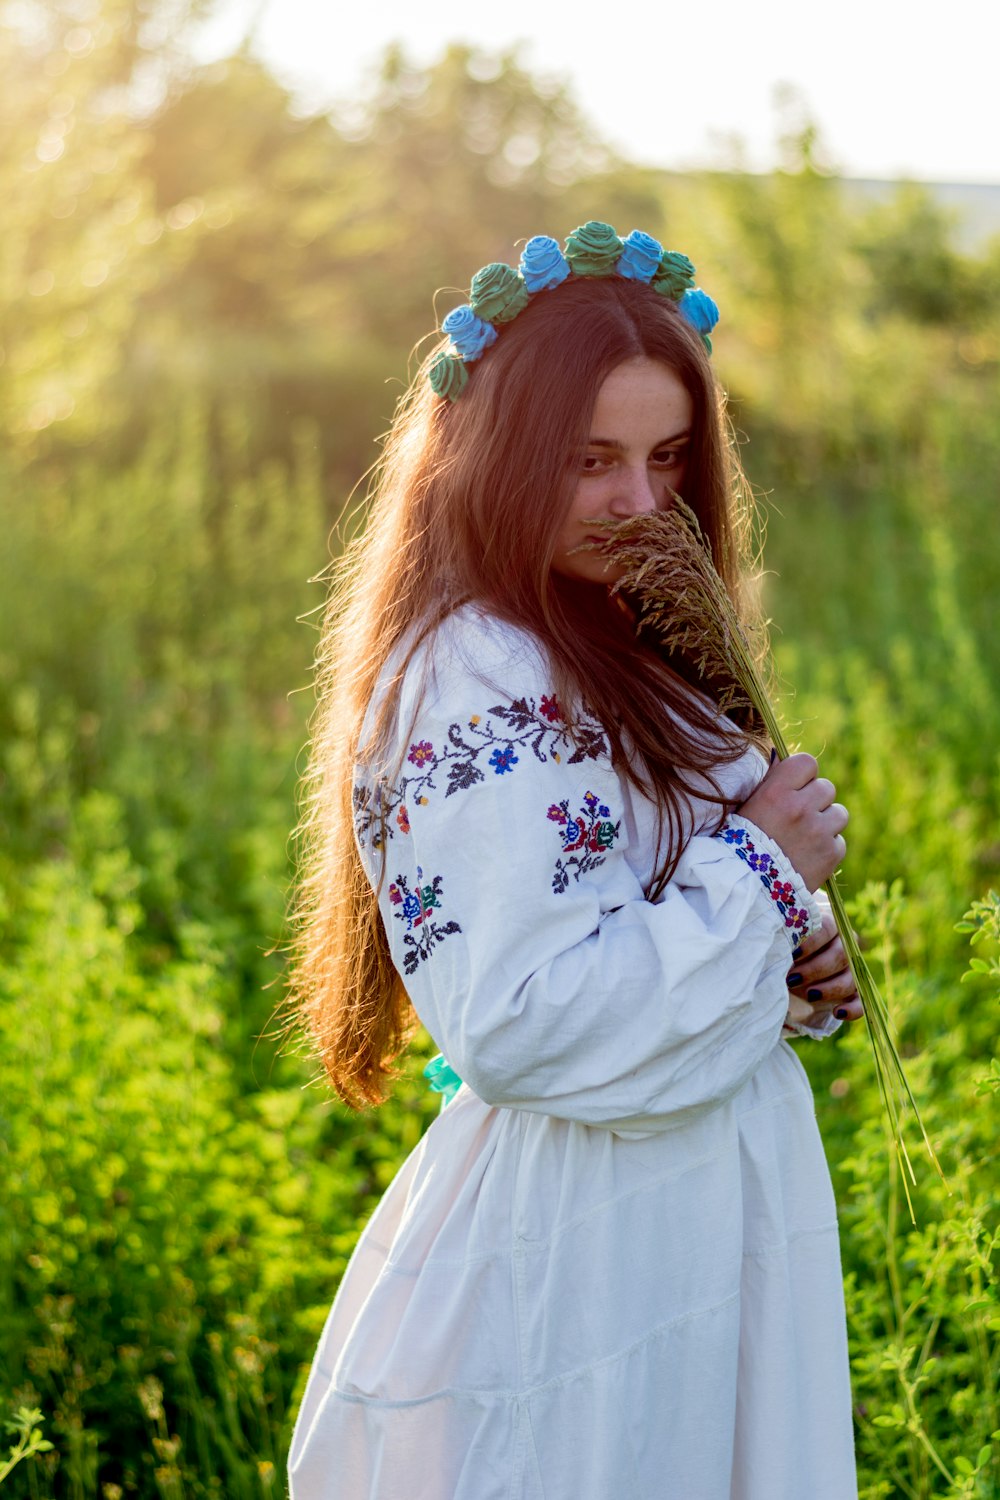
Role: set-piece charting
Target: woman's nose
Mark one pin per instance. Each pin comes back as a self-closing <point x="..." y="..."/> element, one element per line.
<point x="634" y="494"/>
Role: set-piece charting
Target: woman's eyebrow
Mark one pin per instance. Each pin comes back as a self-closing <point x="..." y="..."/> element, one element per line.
<point x="598" y="442"/>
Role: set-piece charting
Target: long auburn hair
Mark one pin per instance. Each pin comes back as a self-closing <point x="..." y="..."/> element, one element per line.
<point x="466" y="504"/>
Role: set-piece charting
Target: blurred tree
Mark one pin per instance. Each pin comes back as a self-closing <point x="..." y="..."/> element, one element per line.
<point x="185" y="233"/>
<point x="78" y="247"/>
<point x="320" y="241"/>
<point x="247" y="321"/>
<point x="182" y="236"/>
<point x="791" y="282"/>
<point x="451" y="164"/>
<point x="838" y="322"/>
<point x="908" y="242"/>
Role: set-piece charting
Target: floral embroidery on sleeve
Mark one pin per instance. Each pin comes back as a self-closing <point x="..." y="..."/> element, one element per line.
<point x="586" y="836"/>
<point x="495" y="744"/>
<point x="797" y="917"/>
<point x="416" y="910"/>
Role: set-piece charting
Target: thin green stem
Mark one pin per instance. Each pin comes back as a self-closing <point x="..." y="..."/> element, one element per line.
<point x="916" y="1427"/>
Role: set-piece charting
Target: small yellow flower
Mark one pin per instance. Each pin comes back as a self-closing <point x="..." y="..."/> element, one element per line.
<point x="474" y="721"/>
<point x="555" y="755"/>
<point x="422" y="801"/>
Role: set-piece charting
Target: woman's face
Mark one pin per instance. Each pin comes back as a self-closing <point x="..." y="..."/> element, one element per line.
<point x="633" y="461"/>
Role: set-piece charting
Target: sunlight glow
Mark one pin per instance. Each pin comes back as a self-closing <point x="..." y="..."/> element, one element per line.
<point x="892" y="96"/>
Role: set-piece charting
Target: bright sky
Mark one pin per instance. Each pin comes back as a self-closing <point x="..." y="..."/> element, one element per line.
<point x="898" y="89"/>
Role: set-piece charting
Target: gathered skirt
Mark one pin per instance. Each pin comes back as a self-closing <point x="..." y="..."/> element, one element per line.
<point x="545" y="1310"/>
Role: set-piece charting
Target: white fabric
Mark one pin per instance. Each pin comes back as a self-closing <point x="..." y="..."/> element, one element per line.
<point x="611" y="1267"/>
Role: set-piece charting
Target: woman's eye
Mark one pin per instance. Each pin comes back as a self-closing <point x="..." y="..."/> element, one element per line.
<point x="592" y="463"/>
<point x="668" y="458"/>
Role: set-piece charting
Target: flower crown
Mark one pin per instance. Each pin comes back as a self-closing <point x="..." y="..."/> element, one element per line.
<point x="499" y="293"/>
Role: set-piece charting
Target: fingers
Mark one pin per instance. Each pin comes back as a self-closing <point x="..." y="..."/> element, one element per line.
<point x="823" y="961"/>
<point x="836" y="814"/>
<point x="825" y="792"/>
<point x="796" y="807"/>
<point x="822" y="976"/>
<point x="798" y="774"/>
<point x="815" y="1016"/>
<point x="838" y="989"/>
<point x="815" y="940"/>
<point x="835" y="819"/>
<point x="800" y="771"/>
<point x="796" y="770"/>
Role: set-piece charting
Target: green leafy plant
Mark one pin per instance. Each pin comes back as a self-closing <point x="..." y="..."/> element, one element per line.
<point x="26" y="1427"/>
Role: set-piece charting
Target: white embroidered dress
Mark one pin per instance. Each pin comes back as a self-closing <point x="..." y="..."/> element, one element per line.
<point x="610" y="1270"/>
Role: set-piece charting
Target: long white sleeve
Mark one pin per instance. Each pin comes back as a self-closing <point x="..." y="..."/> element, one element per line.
<point x="520" y="927"/>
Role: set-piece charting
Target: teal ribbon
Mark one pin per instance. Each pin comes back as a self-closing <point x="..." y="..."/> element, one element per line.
<point x="442" y="1078"/>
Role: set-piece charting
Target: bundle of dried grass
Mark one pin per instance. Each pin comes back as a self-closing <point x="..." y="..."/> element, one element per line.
<point x="664" y="570"/>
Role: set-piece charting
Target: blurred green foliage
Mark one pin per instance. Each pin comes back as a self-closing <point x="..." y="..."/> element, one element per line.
<point x="208" y="301"/>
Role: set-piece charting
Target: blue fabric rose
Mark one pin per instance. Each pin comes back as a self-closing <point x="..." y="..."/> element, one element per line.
<point x="640" y="258"/>
<point x="542" y="264"/>
<point x="699" y="310"/>
<point x="469" y="334"/>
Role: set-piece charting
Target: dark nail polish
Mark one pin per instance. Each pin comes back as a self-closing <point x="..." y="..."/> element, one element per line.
<point x="841" y="1015"/>
<point x="774" y="756"/>
<point x="814" y="995"/>
<point x="797" y="954"/>
<point x="794" y="980"/>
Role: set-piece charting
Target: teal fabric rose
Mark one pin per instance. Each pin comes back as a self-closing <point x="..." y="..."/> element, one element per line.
<point x="469" y="334"/>
<point x="543" y="265"/>
<point x="674" y="275"/>
<point x="699" y="310"/>
<point x="498" y="293"/>
<point x="593" y="249"/>
<point x="442" y="1078"/>
<point x="448" y="376"/>
<point x="640" y="259"/>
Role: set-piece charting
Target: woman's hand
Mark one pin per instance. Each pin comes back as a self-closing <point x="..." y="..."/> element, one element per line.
<point x="820" y="980"/>
<point x="795" y="807"/>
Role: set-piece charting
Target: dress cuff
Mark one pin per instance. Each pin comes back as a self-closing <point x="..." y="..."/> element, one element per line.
<point x="793" y="902"/>
<point x="817" y="1033"/>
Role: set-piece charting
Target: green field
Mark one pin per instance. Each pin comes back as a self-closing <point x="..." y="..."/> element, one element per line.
<point x="181" y="434"/>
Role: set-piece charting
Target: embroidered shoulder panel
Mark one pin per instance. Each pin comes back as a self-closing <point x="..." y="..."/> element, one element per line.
<point x="490" y="744"/>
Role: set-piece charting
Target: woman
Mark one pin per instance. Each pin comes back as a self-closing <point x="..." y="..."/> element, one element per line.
<point x="611" y="1266"/>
